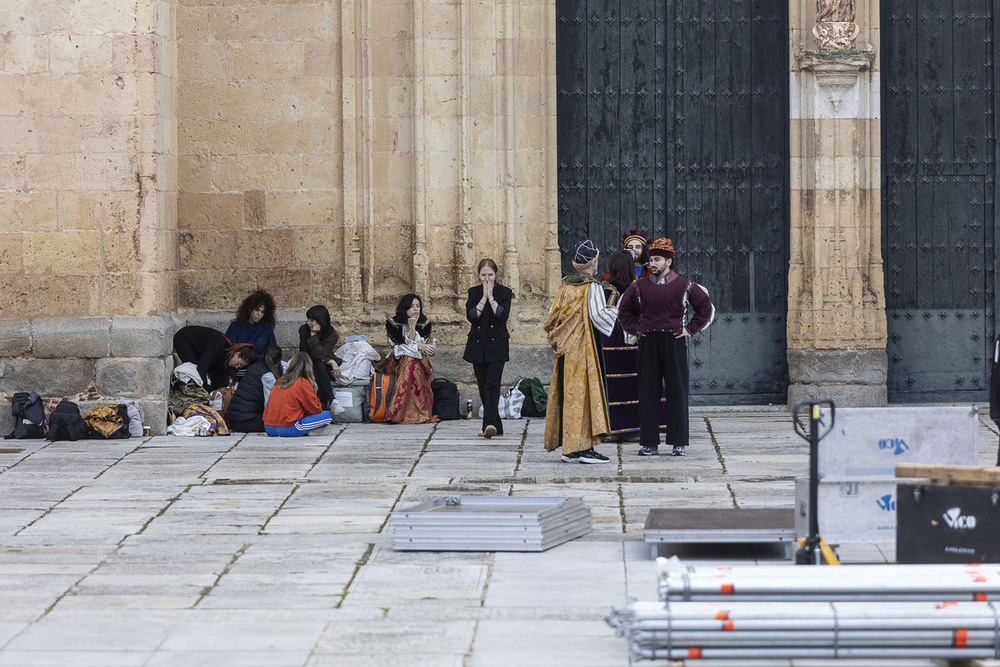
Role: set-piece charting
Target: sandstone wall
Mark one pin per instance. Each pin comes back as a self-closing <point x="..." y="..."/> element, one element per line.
<point x="87" y="166"/>
<point x="348" y="152"/>
<point x="87" y="199"/>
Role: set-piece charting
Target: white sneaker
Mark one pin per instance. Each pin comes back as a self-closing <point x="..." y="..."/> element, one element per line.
<point x="336" y="409"/>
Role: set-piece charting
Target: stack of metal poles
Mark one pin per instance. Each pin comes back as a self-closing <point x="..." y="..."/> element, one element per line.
<point x="973" y="582"/>
<point x="949" y="612"/>
<point x="817" y="630"/>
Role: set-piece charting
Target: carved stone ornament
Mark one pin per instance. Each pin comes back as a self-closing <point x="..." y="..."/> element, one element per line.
<point x="836" y="70"/>
<point x="835" y="10"/>
<point x="836" y="35"/>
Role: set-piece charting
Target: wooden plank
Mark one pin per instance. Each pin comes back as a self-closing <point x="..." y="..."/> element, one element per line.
<point x="951" y="475"/>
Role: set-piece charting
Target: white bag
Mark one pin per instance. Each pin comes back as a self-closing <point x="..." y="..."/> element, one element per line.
<point x="357" y="368"/>
<point x="510" y="403"/>
<point x="190" y="426"/>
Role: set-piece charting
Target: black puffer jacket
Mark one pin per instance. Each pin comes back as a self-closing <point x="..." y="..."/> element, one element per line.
<point x="248" y="400"/>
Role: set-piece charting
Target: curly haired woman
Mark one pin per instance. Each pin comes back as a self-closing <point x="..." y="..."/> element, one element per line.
<point x="254" y="323"/>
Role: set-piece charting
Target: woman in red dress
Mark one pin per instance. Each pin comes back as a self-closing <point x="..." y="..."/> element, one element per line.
<point x="409" y="333"/>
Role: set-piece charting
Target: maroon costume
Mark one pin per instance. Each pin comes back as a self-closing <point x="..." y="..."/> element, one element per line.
<point x="655" y="311"/>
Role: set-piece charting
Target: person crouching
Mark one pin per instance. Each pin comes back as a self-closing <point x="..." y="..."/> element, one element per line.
<point x="293" y="408"/>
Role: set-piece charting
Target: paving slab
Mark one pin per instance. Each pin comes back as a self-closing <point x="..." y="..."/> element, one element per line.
<point x="249" y="550"/>
<point x="228" y="658"/>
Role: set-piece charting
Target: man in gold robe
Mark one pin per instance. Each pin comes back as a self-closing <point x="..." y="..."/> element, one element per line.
<point x="577" y="413"/>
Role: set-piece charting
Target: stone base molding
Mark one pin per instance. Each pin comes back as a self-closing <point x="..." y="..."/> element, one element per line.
<point x="850" y="378"/>
<point x="89" y="360"/>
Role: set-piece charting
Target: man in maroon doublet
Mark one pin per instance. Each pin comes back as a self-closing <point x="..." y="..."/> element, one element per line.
<point x="654" y="308"/>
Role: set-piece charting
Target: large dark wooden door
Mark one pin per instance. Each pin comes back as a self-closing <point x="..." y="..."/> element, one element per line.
<point x="939" y="151"/>
<point x="673" y="119"/>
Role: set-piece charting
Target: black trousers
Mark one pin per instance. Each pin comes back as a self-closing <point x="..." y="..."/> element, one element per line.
<point x="663" y="371"/>
<point x="488" y="377"/>
<point x="324" y="386"/>
<point x="255" y="425"/>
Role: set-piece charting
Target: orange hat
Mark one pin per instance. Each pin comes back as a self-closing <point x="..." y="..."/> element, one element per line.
<point x="662" y="247"/>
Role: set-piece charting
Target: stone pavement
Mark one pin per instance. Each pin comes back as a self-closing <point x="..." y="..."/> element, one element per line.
<point x="247" y="550"/>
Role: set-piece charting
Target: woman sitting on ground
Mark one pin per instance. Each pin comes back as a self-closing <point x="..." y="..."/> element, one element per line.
<point x="254" y="323"/>
<point x="246" y="408"/>
<point x="409" y="333"/>
<point x="216" y="357"/>
<point x="319" y="339"/>
<point x="293" y="409"/>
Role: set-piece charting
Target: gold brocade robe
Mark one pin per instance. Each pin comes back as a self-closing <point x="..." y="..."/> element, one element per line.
<point x="577" y="412"/>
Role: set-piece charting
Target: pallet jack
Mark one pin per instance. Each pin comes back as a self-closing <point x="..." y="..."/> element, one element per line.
<point x="813" y="549"/>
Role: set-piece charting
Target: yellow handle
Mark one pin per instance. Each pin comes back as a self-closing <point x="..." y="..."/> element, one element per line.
<point x="829" y="557"/>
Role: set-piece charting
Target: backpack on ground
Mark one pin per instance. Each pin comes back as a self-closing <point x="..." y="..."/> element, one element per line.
<point x="109" y="421"/>
<point x="136" y="418"/>
<point x="353" y="400"/>
<point x="379" y="395"/>
<point x="445" y="399"/>
<point x="535" y="398"/>
<point x="66" y="423"/>
<point x="29" y="416"/>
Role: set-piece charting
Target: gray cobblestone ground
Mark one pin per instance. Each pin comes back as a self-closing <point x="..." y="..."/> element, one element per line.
<point x="246" y="550"/>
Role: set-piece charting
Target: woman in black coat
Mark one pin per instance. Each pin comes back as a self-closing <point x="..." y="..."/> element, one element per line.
<point x="216" y="357"/>
<point x="488" y="347"/>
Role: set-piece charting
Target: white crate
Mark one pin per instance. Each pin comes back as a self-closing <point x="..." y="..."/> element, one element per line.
<point x="868" y="442"/>
<point x="850" y="512"/>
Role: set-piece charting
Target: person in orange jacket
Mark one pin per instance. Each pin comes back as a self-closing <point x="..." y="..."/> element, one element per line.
<point x="293" y="409"/>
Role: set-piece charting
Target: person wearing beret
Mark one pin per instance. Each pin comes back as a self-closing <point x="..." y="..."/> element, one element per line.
<point x="576" y="416"/>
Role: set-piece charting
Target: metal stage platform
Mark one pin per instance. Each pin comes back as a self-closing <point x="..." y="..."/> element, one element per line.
<point x="489" y="523"/>
<point x="720" y="525"/>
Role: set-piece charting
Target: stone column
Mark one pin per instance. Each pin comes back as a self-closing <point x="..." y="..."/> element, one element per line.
<point x="88" y="184"/>
<point x="836" y="309"/>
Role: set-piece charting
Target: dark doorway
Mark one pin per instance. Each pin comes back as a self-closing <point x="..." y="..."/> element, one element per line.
<point x="939" y="216"/>
<point x="673" y="119"/>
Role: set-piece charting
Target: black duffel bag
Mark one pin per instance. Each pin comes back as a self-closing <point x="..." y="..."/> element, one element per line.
<point x="445" y="399"/>
<point x="66" y="422"/>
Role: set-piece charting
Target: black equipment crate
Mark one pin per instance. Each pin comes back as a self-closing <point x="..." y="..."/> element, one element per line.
<point x="947" y="524"/>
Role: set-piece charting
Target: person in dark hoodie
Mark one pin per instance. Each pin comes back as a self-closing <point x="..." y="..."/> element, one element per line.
<point x="246" y="408"/>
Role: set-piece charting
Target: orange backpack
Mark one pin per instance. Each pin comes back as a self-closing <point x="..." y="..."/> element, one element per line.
<point x="379" y="394"/>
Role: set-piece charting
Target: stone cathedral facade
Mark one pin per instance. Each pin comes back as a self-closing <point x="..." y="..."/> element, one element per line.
<point x="160" y="159"/>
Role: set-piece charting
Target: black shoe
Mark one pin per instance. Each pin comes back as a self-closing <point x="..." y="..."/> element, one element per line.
<point x="678" y="450"/>
<point x="571" y="458"/>
<point x="592" y="456"/>
<point x="649" y="450"/>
